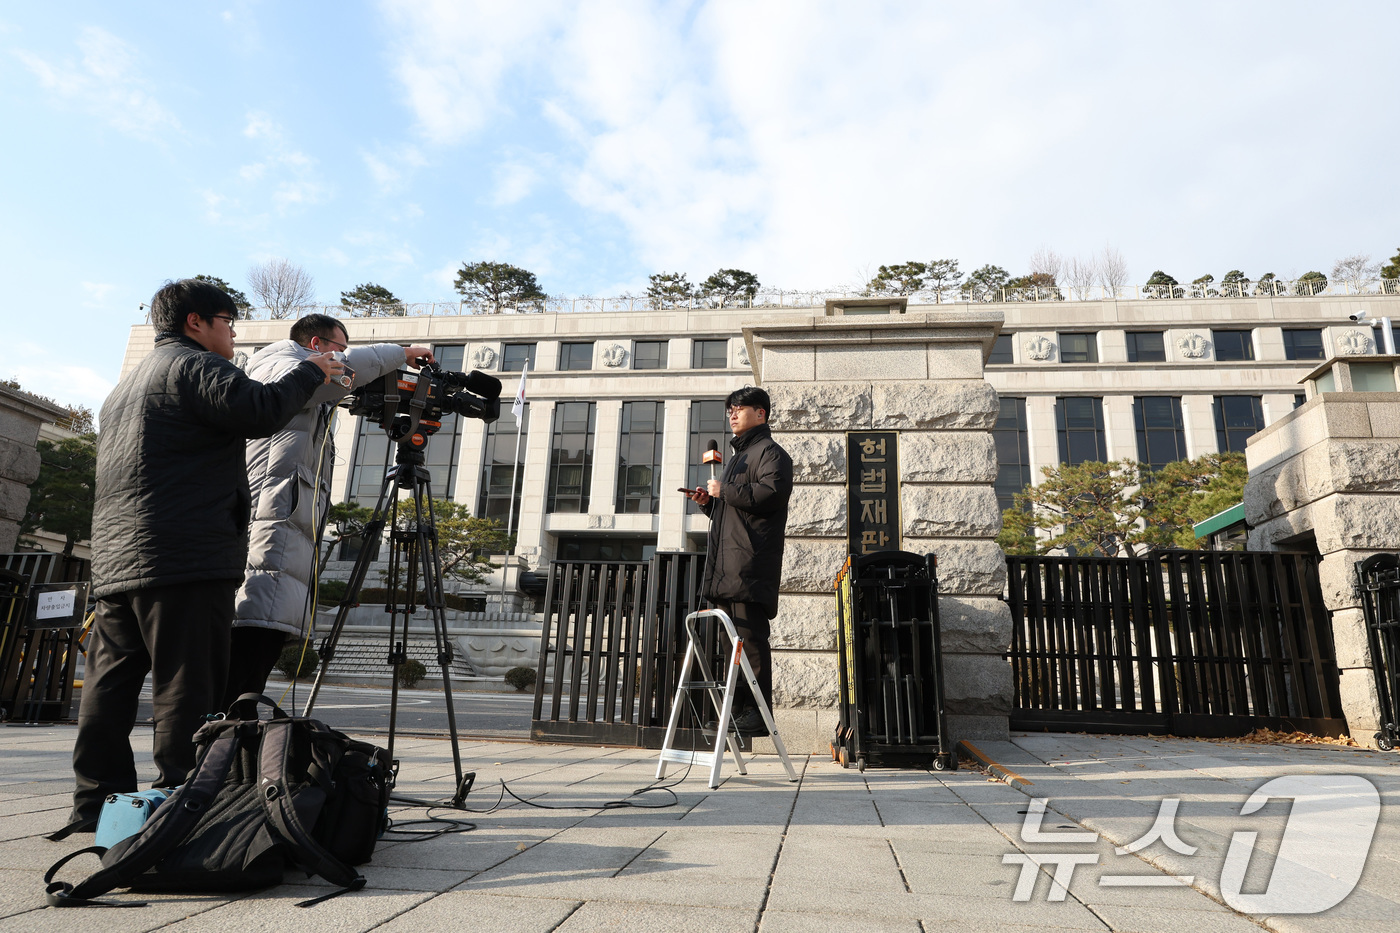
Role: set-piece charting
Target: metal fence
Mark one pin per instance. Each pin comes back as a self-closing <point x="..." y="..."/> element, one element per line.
<point x="610" y="648"/>
<point x="1177" y="643"/>
<point x="37" y="664"/>
<point x="776" y="298"/>
<point x="1379" y="579"/>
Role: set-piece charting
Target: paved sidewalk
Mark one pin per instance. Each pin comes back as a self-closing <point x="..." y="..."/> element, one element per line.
<point x="839" y="850"/>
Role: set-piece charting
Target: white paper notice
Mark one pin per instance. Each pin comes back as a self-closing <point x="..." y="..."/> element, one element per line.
<point x="54" y="605"/>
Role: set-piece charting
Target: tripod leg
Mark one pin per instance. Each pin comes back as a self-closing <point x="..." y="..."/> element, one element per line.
<point x="373" y="529"/>
<point x="432" y="578"/>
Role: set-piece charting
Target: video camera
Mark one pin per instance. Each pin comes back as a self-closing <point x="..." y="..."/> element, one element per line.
<point x="405" y="404"/>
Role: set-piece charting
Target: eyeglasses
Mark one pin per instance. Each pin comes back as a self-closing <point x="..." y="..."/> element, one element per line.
<point x="334" y="343"/>
<point x="227" y="319"/>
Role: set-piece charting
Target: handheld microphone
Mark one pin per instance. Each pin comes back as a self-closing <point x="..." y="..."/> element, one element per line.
<point x="712" y="456"/>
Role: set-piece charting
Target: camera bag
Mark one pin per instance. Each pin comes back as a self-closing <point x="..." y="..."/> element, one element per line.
<point x="265" y="795"/>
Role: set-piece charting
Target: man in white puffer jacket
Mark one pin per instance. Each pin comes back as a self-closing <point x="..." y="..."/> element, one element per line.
<point x="273" y="603"/>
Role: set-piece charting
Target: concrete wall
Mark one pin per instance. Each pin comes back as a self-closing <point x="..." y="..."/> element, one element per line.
<point x="1329" y="472"/>
<point x="919" y="374"/>
<point x="21" y="414"/>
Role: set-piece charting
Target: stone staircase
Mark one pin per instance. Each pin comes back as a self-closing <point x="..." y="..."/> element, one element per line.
<point x="362" y="657"/>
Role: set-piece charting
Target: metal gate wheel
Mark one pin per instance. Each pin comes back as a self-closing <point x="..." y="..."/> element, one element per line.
<point x="860" y="763"/>
<point x="843" y="757"/>
<point x="939" y="764"/>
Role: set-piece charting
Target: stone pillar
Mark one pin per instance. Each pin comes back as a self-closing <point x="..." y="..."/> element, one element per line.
<point x="20" y="417"/>
<point x="920" y="374"/>
<point x="1329" y="473"/>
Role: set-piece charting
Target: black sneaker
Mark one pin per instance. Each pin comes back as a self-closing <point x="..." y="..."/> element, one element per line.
<point x="750" y="722"/>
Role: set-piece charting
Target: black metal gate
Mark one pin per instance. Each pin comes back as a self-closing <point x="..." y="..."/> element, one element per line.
<point x="1208" y="643"/>
<point x="37" y="662"/>
<point x="1379" y="576"/>
<point x="611" y="646"/>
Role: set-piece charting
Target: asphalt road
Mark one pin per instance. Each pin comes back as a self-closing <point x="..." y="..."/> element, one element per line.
<point x="422" y="711"/>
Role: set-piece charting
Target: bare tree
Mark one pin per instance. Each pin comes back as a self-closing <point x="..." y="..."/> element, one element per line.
<point x="281" y="287"/>
<point x="1046" y="261"/>
<point x="1354" y="271"/>
<point x="1112" y="269"/>
<point x="1079" y="277"/>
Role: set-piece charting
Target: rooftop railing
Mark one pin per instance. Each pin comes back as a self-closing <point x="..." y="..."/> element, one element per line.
<point x="973" y="293"/>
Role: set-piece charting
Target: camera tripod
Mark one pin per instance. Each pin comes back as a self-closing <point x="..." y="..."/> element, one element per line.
<point x="414" y="560"/>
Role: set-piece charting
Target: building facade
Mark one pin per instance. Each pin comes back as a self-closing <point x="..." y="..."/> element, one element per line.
<point x="621" y="405"/>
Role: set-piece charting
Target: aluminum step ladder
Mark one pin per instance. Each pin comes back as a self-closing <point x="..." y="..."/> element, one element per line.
<point x="723" y="704"/>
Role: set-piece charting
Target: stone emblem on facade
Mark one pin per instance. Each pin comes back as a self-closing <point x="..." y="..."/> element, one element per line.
<point x="1193" y="346"/>
<point x="743" y="356"/>
<point x="483" y="358"/>
<point x="240" y="359"/>
<point x="1039" y="349"/>
<point x="614" y="355"/>
<point x="1353" y="343"/>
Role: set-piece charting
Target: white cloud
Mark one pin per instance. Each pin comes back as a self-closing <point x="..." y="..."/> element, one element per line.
<point x="292" y="178"/>
<point x="514" y="182"/>
<point x="106" y="83"/>
<point x="68" y="384"/>
<point x="805" y="140"/>
<point x="97" y="293"/>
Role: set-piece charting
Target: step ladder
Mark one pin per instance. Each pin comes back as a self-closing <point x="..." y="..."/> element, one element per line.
<point x="723" y="704"/>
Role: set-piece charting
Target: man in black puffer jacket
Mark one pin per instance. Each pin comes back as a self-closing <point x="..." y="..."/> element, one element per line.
<point x="748" y="510"/>
<point x="170" y="536"/>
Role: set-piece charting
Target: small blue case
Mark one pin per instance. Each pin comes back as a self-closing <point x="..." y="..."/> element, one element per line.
<point x="123" y="815"/>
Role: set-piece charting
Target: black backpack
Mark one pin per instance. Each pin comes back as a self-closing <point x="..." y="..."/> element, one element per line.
<point x="264" y="794"/>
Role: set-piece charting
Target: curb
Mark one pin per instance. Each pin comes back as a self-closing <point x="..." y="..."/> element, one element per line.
<point x="967" y="750"/>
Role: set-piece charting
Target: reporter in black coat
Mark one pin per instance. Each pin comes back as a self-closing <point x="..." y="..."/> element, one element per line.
<point x="748" y="508"/>
<point x="170" y="536"/>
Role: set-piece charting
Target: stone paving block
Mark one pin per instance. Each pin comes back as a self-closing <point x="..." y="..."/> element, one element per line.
<point x="707" y="856"/>
<point x="273" y="911"/>
<point x="602" y="915"/>
<point x="489" y="912"/>
<point x="826" y="860"/>
<point x="783" y="921"/>
<point x="940" y="909"/>
<point x="1127" y="919"/>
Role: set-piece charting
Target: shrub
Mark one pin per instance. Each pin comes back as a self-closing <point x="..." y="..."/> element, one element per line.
<point x="521" y="678"/>
<point x="331" y="592"/>
<point x="373" y="595"/>
<point x="298" y="651"/>
<point x="410" y="672"/>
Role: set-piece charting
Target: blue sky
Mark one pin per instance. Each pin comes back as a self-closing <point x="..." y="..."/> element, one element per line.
<point x="598" y="143"/>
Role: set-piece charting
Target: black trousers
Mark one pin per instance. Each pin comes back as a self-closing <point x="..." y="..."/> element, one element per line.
<point x="253" y="653"/>
<point x="751" y="622"/>
<point x="179" y="634"/>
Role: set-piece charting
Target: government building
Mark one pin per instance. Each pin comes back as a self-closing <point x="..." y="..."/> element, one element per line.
<point x="621" y="404"/>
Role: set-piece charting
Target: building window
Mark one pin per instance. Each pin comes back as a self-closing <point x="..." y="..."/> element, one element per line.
<point x="1161" y="433"/>
<point x="514" y="356"/>
<point x="571" y="456"/>
<point x="500" y="467"/>
<point x="576" y="356"/>
<point x="369" y="463"/>
<point x="708" y="422"/>
<point x="1146" y="346"/>
<point x="649" y="354"/>
<point x="1236" y="418"/>
<point x="1013" y="451"/>
<point x="441" y="457"/>
<point x="1079" y="348"/>
<point x="1079" y="422"/>
<point x="709" y="354"/>
<point x="1233" y="345"/>
<point x="1002" y="352"/>
<point x="1299" y="400"/>
<point x="1302" y="344"/>
<point x="605" y="547"/>
<point x="639" y="457"/>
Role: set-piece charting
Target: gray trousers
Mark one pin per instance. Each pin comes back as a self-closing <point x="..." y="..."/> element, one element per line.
<point x="179" y="634"/>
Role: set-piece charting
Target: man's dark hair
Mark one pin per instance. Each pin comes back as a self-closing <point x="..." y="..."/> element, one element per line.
<point x="752" y="396"/>
<point x="317" y="325"/>
<point x="178" y="300"/>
